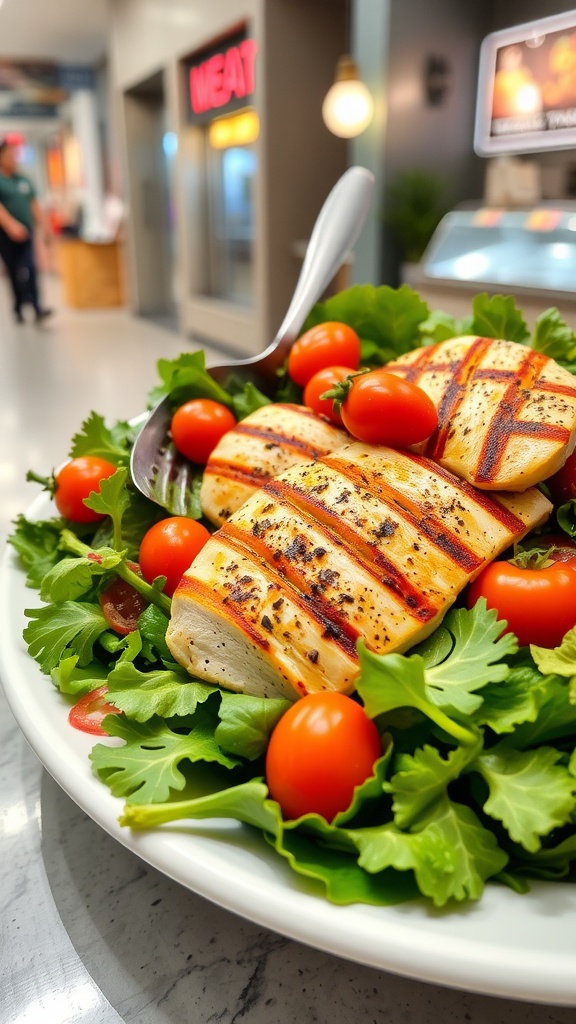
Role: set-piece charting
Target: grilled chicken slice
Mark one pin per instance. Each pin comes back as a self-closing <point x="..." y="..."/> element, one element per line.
<point x="507" y="414"/>
<point x="366" y="542"/>
<point x="261" y="446"/>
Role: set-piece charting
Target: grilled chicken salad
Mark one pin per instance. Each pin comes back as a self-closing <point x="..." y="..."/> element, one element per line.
<point x="326" y="591"/>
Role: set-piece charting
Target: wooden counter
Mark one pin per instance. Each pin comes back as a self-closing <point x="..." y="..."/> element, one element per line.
<point x="91" y="273"/>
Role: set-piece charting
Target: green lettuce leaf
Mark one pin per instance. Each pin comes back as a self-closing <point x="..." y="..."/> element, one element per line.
<point x="333" y="870"/>
<point x="37" y="545"/>
<point x="246" y="723"/>
<point x="498" y="316"/>
<point x="111" y="500"/>
<point x="71" y="679"/>
<point x="451" y="853"/>
<point x="476" y="659"/>
<point x="164" y="693"/>
<point x="560" y="661"/>
<point x="390" y="681"/>
<point x="471" y="658"/>
<point x="438" y="327"/>
<point x="186" y="377"/>
<point x="110" y="443"/>
<point x="72" y="626"/>
<point x="553" y="337"/>
<point x="516" y="700"/>
<point x="529" y="792"/>
<point x="422" y="778"/>
<point x="341" y="877"/>
<point x="138" y="516"/>
<point x="146" y="769"/>
<point x="71" y="578"/>
<point x="566" y="514"/>
<point x="152" y="627"/>
<point x="246" y="398"/>
<point x="556" y="719"/>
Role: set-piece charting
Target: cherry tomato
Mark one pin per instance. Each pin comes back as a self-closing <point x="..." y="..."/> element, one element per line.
<point x="323" y="381"/>
<point x="381" y="408"/>
<point x="322" y="748"/>
<point x="90" y="711"/>
<point x="122" y="605"/>
<point x="75" y="481"/>
<point x="328" y="344"/>
<point x="169" y="548"/>
<point x="563" y="484"/>
<point x="539" y="605"/>
<point x="197" y="427"/>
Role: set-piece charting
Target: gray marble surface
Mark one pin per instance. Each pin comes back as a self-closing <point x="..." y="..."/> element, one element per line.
<point x="89" y="934"/>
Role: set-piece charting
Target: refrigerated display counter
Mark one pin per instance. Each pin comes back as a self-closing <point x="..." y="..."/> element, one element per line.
<point x="529" y="253"/>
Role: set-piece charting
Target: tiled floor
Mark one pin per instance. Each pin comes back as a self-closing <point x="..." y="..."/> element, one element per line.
<point x="52" y="375"/>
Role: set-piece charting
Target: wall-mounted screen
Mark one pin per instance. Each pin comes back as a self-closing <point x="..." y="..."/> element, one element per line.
<point x="527" y="88"/>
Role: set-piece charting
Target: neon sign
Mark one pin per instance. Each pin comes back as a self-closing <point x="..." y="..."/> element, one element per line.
<point x="224" y="79"/>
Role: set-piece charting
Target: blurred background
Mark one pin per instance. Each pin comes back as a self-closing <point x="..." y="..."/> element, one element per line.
<point x="181" y="151"/>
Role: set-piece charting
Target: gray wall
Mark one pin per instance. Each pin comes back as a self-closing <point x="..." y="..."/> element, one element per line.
<point x="418" y="134"/>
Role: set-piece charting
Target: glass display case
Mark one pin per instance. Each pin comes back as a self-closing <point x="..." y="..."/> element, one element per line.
<point x="496" y="248"/>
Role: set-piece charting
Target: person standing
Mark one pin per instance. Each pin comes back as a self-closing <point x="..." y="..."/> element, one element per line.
<point x="20" y="211"/>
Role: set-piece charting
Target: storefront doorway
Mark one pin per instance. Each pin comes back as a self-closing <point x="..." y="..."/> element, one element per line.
<point x="150" y="156"/>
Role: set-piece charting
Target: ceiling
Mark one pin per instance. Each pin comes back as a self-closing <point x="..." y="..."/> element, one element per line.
<point x="65" y="31"/>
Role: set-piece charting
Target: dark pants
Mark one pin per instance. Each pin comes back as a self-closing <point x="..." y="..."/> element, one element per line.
<point x="21" y="266"/>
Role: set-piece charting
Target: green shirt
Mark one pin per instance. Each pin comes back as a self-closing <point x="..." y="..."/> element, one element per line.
<point x="16" y="195"/>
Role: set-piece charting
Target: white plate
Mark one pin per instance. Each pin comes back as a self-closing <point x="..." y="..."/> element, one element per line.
<point x="523" y="947"/>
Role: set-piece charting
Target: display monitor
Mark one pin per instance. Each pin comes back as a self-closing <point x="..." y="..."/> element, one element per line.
<point x="527" y="88"/>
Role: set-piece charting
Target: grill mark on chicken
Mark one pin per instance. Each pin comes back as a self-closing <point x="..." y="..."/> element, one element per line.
<point x="414" y="512"/>
<point x="282" y="440"/>
<point x="556" y="389"/>
<point x="487" y="502"/>
<point x="206" y="596"/>
<point x="252" y="476"/>
<point x="505" y="422"/>
<point x="359" y="550"/>
<point x="461" y="373"/>
<point x="334" y="626"/>
<point x="413" y="371"/>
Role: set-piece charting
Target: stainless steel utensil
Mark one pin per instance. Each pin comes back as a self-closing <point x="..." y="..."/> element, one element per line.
<point x="158" y="471"/>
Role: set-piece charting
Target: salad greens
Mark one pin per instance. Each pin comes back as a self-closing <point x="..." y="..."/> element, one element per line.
<point x="478" y="776"/>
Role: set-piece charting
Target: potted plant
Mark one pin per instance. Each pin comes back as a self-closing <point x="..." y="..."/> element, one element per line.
<point x="415" y="206"/>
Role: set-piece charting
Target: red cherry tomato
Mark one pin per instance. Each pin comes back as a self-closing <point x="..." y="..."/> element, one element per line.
<point x="122" y="605"/>
<point x="169" y="548"/>
<point x="322" y="748"/>
<point x="539" y="605"/>
<point x="323" y="381"/>
<point x="90" y="711"/>
<point x="328" y="344"/>
<point x="381" y="408"/>
<point x="563" y="484"/>
<point x="75" y="481"/>
<point x="197" y="427"/>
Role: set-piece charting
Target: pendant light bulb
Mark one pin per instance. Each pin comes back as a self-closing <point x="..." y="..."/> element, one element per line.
<point x="348" y="106"/>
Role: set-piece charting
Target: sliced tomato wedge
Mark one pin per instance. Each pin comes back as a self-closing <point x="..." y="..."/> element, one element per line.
<point x="90" y="711"/>
<point x="122" y="605"/>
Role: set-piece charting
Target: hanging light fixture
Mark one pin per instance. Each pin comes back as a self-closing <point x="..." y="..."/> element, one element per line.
<point x="348" y="106"/>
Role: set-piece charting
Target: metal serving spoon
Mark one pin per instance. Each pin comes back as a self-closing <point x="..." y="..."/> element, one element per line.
<point x="158" y="471"/>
